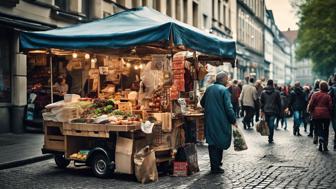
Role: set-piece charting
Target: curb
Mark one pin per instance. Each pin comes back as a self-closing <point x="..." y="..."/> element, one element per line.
<point x="18" y="163"/>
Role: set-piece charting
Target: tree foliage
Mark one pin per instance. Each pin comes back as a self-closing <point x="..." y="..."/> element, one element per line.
<point x="317" y="34"/>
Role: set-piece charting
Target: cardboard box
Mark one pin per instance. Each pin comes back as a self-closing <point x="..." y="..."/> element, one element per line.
<point x="180" y="169"/>
<point x="124" y="155"/>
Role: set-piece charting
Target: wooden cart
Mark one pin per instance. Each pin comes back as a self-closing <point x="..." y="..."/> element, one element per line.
<point x="101" y="143"/>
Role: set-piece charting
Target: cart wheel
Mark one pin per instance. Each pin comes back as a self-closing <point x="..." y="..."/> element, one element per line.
<point x="100" y="165"/>
<point x="60" y="161"/>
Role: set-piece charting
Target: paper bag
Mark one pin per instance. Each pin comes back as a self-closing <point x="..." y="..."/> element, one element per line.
<point x="145" y="165"/>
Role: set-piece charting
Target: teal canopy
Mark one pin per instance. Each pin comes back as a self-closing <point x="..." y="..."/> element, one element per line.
<point x="139" y="27"/>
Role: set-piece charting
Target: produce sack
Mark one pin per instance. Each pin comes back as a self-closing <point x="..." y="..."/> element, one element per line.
<point x="188" y="153"/>
<point x="262" y="128"/>
<point x="145" y="165"/>
<point x="238" y="139"/>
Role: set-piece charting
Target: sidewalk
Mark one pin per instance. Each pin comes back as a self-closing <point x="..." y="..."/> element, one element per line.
<point x="20" y="149"/>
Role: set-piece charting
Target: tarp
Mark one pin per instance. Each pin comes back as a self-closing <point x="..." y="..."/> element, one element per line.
<point x="134" y="27"/>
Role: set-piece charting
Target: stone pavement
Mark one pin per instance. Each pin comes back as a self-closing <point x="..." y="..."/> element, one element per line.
<point x="19" y="149"/>
<point x="292" y="162"/>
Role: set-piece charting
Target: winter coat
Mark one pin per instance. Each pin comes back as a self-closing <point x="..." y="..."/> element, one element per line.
<point x="320" y="105"/>
<point x="332" y="93"/>
<point x="218" y="115"/>
<point x="298" y="99"/>
<point x="248" y="96"/>
<point x="270" y="101"/>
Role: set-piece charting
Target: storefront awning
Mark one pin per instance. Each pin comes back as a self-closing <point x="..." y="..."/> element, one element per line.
<point x="128" y="29"/>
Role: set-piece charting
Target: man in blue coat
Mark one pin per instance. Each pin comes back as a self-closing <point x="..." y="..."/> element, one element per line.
<point x="219" y="116"/>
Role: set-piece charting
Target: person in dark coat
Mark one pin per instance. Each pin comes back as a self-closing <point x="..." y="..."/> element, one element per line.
<point x="270" y="106"/>
<point x="320" y="106"/>
<point x="282" y="116"/>
<point x="298" y="103"/>
<point x="312" y="130"/>
<point x="332" y="93"/>
<point x="219" y="116"/>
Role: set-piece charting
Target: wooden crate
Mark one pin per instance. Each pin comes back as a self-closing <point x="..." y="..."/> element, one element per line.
<point x="123" y="128"/>
<point x="53" y="136"/>
<point x="86" y="130"/>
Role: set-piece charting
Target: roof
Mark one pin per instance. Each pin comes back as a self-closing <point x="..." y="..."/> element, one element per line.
<point x="139" y="27"/>
<point x="291" y="35"/>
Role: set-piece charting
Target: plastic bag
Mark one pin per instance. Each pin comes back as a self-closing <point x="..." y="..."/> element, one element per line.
<point x="262" y="128"/>
<point x="145" y="165"/>
<point x="238" y="140"/>
<point x="147" y="127"/>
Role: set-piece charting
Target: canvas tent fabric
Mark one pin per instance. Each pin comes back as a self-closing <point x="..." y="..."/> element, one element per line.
<point x="134" y="27"/>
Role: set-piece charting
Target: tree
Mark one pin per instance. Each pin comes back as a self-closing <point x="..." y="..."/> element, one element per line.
<point x="317" y="34"/>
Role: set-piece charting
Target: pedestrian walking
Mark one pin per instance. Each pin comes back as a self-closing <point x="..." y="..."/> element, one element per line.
<point x="270" y="106"/>
<point x="219" y="116"/>
<point x="235" y="97"/>
<point x="312" y="130"/>
<point x="259" y="88"/>
<point x="248" y="98"/>
<point x="320" y="107"/>
<point x="332" y="93"/>
<point x="298" y="103"/>
<point x="284" y="112"/>
<point x="306" y="115"/>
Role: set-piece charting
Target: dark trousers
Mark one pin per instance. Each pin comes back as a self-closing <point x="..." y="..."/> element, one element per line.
<point x="249" y="113"/>
<point x="270" y="118"/>
<point x="322" y="126"/>
<point x="235" y="106"/>
<point x="216" y="156"/>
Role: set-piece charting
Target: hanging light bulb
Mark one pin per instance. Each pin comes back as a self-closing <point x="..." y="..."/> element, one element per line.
<point x="128" y="65"/>
<point x="87" y="56"/>
<point x="93" y="60"/>
<point x="74" y="55"/>
<point x="136" y="67"/>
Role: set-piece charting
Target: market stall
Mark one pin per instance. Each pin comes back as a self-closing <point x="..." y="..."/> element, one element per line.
<point x="137" y="87"/>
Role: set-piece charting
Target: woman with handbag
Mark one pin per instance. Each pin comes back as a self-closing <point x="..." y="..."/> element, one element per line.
<point x="320" y="107"/>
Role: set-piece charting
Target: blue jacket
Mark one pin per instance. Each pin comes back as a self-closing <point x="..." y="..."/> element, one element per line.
<point x="219" y="116"/>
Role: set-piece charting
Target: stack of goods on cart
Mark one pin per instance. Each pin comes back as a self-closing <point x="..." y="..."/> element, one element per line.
<point x="81" y="155"/>
<point x="64" y="111"/>
<point x="106" y="111"/>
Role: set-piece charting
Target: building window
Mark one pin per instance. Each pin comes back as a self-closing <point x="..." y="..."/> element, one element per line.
<point x="86" y="7"/>
<point x="224" y="15"/>
<point x="219" y="11"/>
<point x="5" y="73"/>
<point x="185" y="11"/>
<point x="178" y="15"/>
<point x="144" y="3"/>
<point x="135" y="3"/>
<point x="62" y="4"/>
<point x="205" y="21"/>
<point x="169" y="8"/>
<point x="195" y="14"/>
<point x="213" y="8"/>
<point x="157" y="5"/>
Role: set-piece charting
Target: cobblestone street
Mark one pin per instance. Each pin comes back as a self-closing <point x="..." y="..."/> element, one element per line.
<point x="292" y="162"/>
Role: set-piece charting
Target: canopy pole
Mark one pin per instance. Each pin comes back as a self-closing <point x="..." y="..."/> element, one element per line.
<point x="196" y="67"/>
<point x="51" y="78"/>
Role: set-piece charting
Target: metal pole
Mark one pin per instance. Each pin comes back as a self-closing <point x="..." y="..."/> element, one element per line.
<point x="51" y="78"/>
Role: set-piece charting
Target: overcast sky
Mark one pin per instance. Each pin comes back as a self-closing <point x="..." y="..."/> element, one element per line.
<point x="284" y="14"/>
